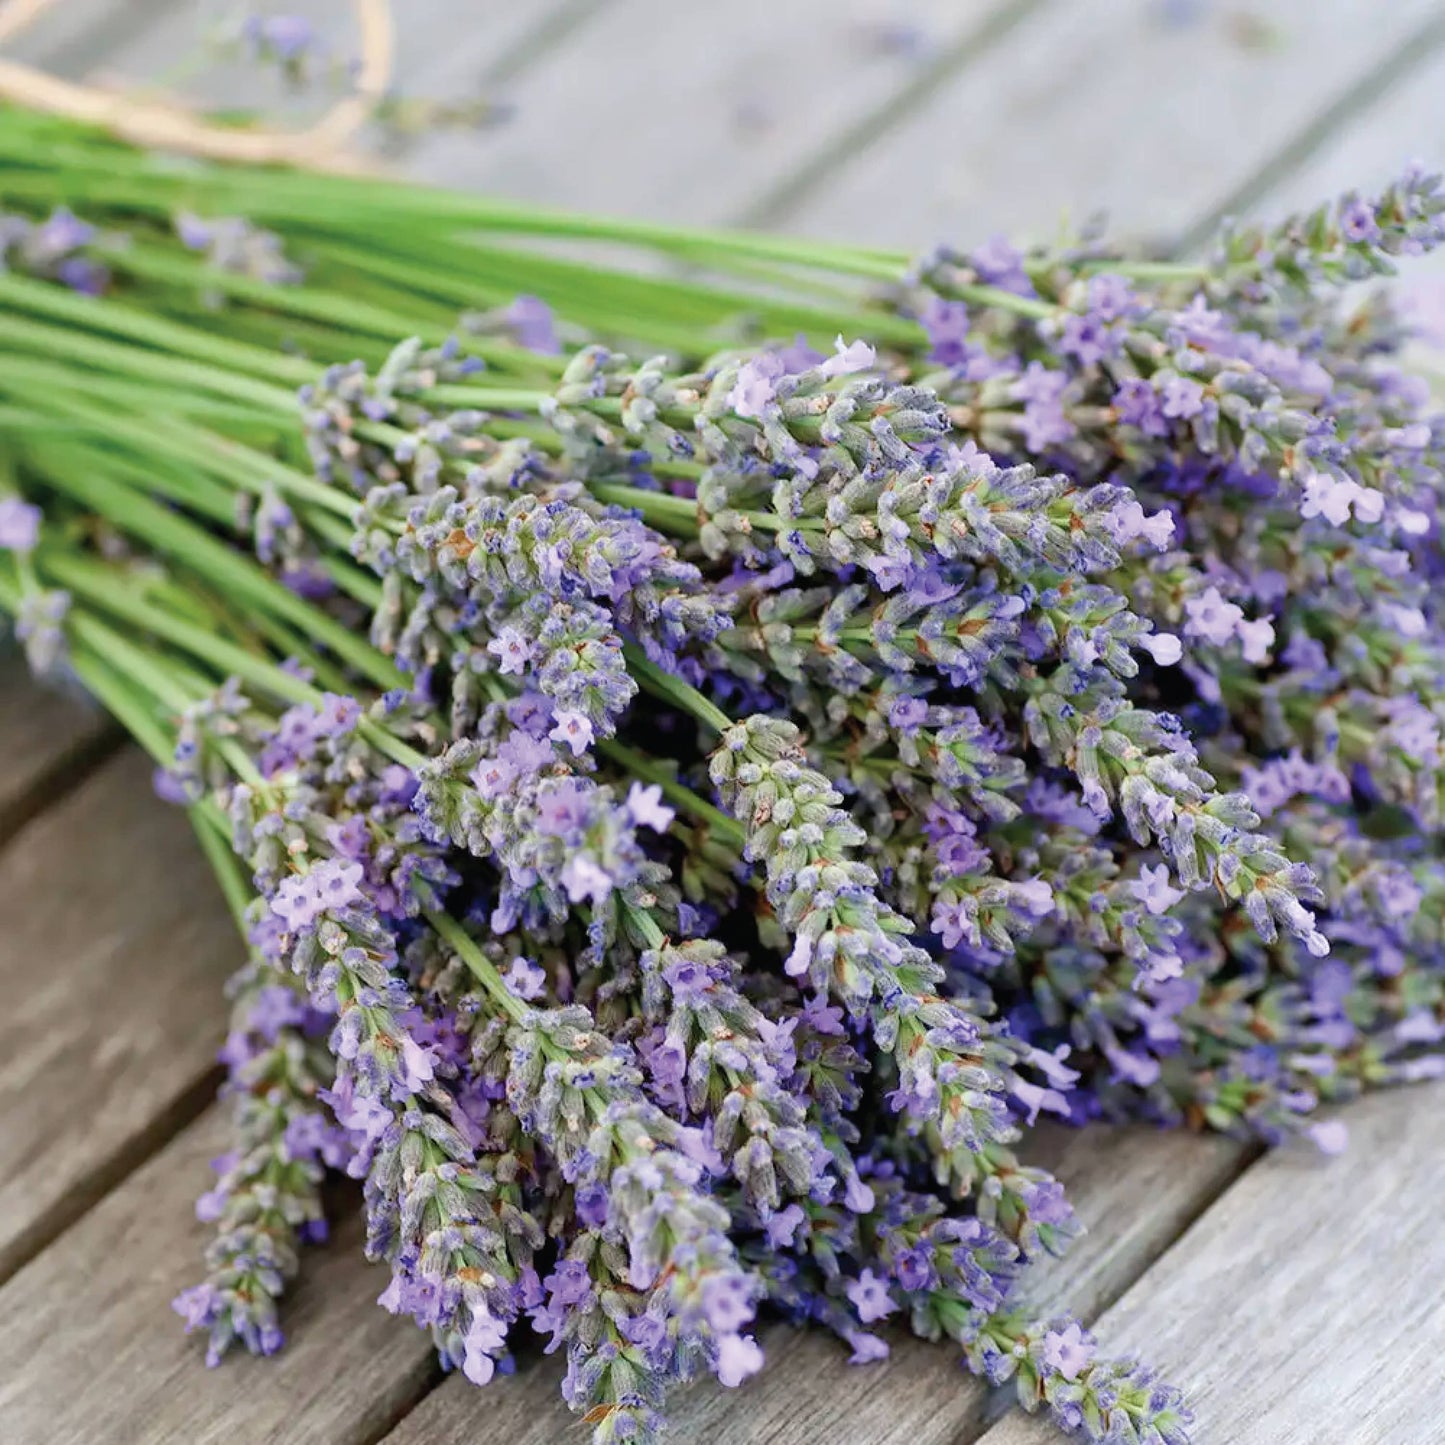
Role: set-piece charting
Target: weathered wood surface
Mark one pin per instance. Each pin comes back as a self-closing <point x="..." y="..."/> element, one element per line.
<point x="442" y="52"/>
<point x="1405" y="122"/>
<point x="1112" y="107"/>
<point x="1299" y="1308"/>
<point x="809" y="1395"/>
<point x="1305" y="1307"/>
<point x="111" y="960"/>
<point x="46" y="738"/>
<point x="694" y="111"/>
<point x="93" y="1354"/>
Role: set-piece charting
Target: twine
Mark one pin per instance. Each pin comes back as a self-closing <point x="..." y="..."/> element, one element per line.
<point x="163" y="126"/>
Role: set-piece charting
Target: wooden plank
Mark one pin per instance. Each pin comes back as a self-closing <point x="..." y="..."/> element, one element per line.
<point x="1138" y="1189"/>
<point x="1405" y="123"/>
<point x="438" y="56"/>
<point x="49" y="738"/>
<point x="67" y="36"/>
<point x="95" y="1356"/>
<point x="112" y="963"/>
<point x="689" y="111"/>
<point x="1110" y="107"/>
<point x="1305" y="1307"/>
<point x="1341" y="117"/>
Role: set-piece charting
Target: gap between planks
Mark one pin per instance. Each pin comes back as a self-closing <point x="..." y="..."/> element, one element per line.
<point x="1352" y="104"/>
<point x="50" y="743"/>
<point x="113" y="966"/>
<point x="1108" y="107"/>
<point x="95" y="1356"/>
<point x="1305" y="1307"/>
<point x="841" y="148"/>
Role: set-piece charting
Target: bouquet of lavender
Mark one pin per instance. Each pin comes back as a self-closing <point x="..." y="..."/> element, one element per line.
<point x="695" y="791"/>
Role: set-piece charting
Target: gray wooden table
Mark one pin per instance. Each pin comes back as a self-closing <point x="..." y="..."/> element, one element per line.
<point x="1298" y="1299"/>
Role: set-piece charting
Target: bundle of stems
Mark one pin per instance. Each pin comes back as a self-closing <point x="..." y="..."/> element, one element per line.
<point x="690" y="815"/>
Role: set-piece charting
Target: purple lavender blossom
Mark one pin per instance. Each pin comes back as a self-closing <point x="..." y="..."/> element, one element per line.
<point x="645" y="804"/>
<point x="869" y="1295"/>
<point x="754" y="390"/>
<point x="534" y="325"/>
<point x="1211" y="618"/>
<point x="19" y="525"/>
<point x="849" y="357"/>
<point x="1068" y="1351"/>
<point x="947" y="325"/>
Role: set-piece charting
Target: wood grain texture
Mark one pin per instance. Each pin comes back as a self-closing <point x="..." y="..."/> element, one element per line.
<point x="443" y="51"/>
<point x="1089" y="107"/>
<point x="1339" y="118"/>
<point x="48" y="738"/>
<point x="1136" y="1188"/>
<point x="690" y="111"/>
<point x="95" y="1356"/>
<point x="1406" y="122"/>
<point x="112" y="956"/>
<point x="68" y="36"/>
<point x="1305" y="1307"/>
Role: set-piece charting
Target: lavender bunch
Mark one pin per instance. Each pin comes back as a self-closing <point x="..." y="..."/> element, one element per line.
<point x="714" y="806"/>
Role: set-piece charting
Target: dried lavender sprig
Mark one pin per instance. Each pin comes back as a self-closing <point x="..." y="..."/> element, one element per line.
<point x="955" y="1068"/>
<point x="267" y="1200"/>
<point x="844" y="492"/>
<point x="1348" y="239"/>
<point x="957" y="1279"/>
<point x="1055" y="1363"/>
<point x="482" y="560"/>
<point x="1146" y="763"/>
<point x="581" y="1094"/>
<point x="459" y="1272"/>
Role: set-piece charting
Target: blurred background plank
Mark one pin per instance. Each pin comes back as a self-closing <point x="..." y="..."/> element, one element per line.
<point x="1115" y="108"/>
<point x="48" y="740"/>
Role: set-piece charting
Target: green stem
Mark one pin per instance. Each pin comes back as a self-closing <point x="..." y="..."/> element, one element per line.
<point x="488" y="398"/>
<point x="216" y="845"/>
<point x="675" y="515"/>
<point x="1150" y="270"/>
<point x="1001" y="300"/>
<point x="105" y="686"/>
<point x="181" y="372"/>
<point x="195" y="548"/>
<point x="651" y="770"/>
<point x="347" y="314"/>
<point x="99" y="582"/>
<point x="674" y="690"/>
<point x="91" y="314"/>
<point x="465" y="947"/>
<point x="645" y="924"/>
<point x="139" y="666"/>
